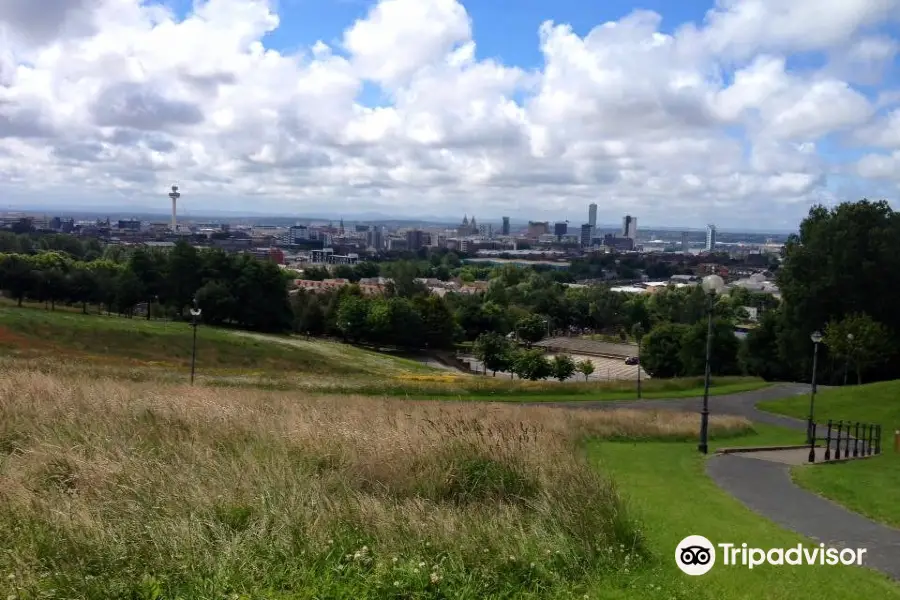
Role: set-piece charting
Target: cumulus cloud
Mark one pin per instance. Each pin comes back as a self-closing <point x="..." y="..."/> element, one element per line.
<point x="714" y="121"/>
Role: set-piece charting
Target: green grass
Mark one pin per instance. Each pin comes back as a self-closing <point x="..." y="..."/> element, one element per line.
<point x="666" y="488"/>
<point x="116" y="341"/>
<point x="870" y="403"/>
<point x="870" y="487"/>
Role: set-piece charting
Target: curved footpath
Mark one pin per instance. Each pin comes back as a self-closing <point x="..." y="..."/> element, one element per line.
<point x="767" y="488"/>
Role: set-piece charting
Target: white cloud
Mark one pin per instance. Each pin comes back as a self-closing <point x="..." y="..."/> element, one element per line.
<point x="121" y="97"/>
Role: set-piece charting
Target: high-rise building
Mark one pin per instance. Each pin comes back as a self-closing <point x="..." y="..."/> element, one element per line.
<point x="710" y="238"/>
<point x="685" y="245"/>
<point x="538" y="228"/>
<point x="416" y="239"/>
<point x="560" y="229"/>
<point x="629" y="227"/>
<point x="592" y="218"/>
<point x="375" y="238"/>
<point x="587" y="233"/>
<point x="505" y="228"/>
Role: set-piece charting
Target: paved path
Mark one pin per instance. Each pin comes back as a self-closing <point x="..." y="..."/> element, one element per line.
<point x="766" y="488"/>
<point x="763" y="483"/>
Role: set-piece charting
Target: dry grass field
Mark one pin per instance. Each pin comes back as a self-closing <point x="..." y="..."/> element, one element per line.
<point x="124" y="489"/>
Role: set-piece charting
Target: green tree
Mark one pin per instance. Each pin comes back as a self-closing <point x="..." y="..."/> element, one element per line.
<point x="585" y="367"/>
<point x="532" y="365"/>
<point x="563" y="367"/>
<point x="859" y="341"/>
<point x="661" y="350"/>
<point x="723" y="358"/>
<point x="352" y="317"/>
<point x="216" y="302"/>
<point x="531" y="329"/>
<point x="494" y="351"/>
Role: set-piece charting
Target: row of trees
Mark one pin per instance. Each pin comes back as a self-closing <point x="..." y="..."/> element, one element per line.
<point x="498" y="353"/>
<point x="232" y="289"/>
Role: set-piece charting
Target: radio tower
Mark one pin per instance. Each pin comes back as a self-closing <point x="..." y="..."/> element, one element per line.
<point x="174" y="195"/>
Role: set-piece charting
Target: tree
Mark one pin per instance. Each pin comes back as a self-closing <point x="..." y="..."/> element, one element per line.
<point x="532" y="365"/>
<point x="494" y="351"/>
<point x="217" y="303"/>
<point x="661" y="350"/>
<point x="352" y="317"/>
<point x="723" y="358"/>
<point x="531" y="329"/>
<point x="585" y="367"/>
<point x="563" y="366"/>
<point x="860" y="341"/>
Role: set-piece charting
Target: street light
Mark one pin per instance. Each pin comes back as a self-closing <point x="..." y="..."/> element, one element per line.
<point x="816" y="338"/>
<point x="195" y="312"/>
<point x="638" y="333"/>
<point x="712" y="285"/>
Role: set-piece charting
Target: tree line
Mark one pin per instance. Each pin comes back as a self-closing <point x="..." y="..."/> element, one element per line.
<point x="231" y="289"/>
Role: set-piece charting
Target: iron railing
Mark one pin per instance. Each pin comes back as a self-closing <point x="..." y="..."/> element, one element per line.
<point x="840" y="444"/>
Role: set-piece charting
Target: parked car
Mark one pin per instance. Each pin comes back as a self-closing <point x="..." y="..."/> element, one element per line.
<point x="632" y="360"/>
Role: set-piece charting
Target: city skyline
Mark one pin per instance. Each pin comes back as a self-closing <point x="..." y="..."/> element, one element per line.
<point x="741" y="113"/>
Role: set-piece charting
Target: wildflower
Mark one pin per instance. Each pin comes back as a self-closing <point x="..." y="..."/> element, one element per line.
<point x="532" y="565"/>
<point x="435" y="578"/>
<point x="422" y="565"/>
<point x="394" y="560"/>
<point x="396" y="584"/>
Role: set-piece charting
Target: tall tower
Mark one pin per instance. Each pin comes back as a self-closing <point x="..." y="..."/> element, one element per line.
<point x="174" y="195"/>
<point x="710" y="238"/>
<point x="685" y="244"/>
<point x="629" y="227"/>
<point x="592" y="219"/>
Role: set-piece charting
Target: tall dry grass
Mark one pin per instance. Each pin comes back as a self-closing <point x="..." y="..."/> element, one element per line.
<point x="120" y="489"/>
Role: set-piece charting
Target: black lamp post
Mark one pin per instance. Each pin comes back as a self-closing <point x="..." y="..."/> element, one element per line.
<point x="712" y="285"/>
<point x="849" y="354"/>
<point x="638" y="333"/>
<point x="195" y="312"/>
<point x="816" y="338"/>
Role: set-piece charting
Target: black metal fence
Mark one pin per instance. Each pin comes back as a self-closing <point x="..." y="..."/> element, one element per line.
<point x="844" y="439"/>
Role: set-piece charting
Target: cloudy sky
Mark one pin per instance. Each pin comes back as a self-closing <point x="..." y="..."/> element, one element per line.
<point x="737" y="112"/>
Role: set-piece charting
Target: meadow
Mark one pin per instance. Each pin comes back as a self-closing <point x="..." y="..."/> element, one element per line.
<point x="143" y="490"/>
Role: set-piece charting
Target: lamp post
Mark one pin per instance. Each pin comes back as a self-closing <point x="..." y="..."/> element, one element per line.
<point x="712" y="285"/>
<point x="849" y="353"/>
<point x="816" y="338"/>
<point x="638" y="333"/>
<point x="195" y="312"/>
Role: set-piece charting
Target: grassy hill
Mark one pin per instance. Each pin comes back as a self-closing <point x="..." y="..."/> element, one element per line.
<point x="141" y="350"/>
<point x="869" y="486"/>
<point x="117" y="489"/>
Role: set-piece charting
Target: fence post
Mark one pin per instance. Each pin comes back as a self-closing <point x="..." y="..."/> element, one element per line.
<point x="856" y="440"/>
<point x="871" y="435"/>
<point x="837" y="449"/>
<point x="828" y="442"/>
<point x="847" y="441"/>
<point x="812" y="442"/>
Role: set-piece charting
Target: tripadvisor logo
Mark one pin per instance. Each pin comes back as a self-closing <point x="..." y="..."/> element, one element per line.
<point x="696" y="555"/>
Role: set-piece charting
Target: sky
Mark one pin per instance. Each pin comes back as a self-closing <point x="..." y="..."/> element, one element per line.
<point x="742" y="113"/>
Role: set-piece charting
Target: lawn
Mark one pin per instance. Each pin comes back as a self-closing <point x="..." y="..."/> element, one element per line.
<point x="870" y="487"/>
<point x="666" y="489"/>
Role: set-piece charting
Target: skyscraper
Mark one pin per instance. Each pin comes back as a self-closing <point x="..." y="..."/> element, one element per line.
<point x="710" y="238"/>
<point x="629" y="227"/>
<point x="592" y="218"/>
<point x="586" y="235"/>
<point x="685" y="245"/>
<point x="505" y="229"/>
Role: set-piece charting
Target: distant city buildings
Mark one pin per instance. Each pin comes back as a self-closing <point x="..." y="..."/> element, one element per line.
<point x="592" y="219"/>
<point x="685" y="244"/>
<point x="505" y="228"/>
<point x="587" y="234"/>
<point x="710" y="238"/>
<point x="560" y="229"/>
<point x="629" y="227"/>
